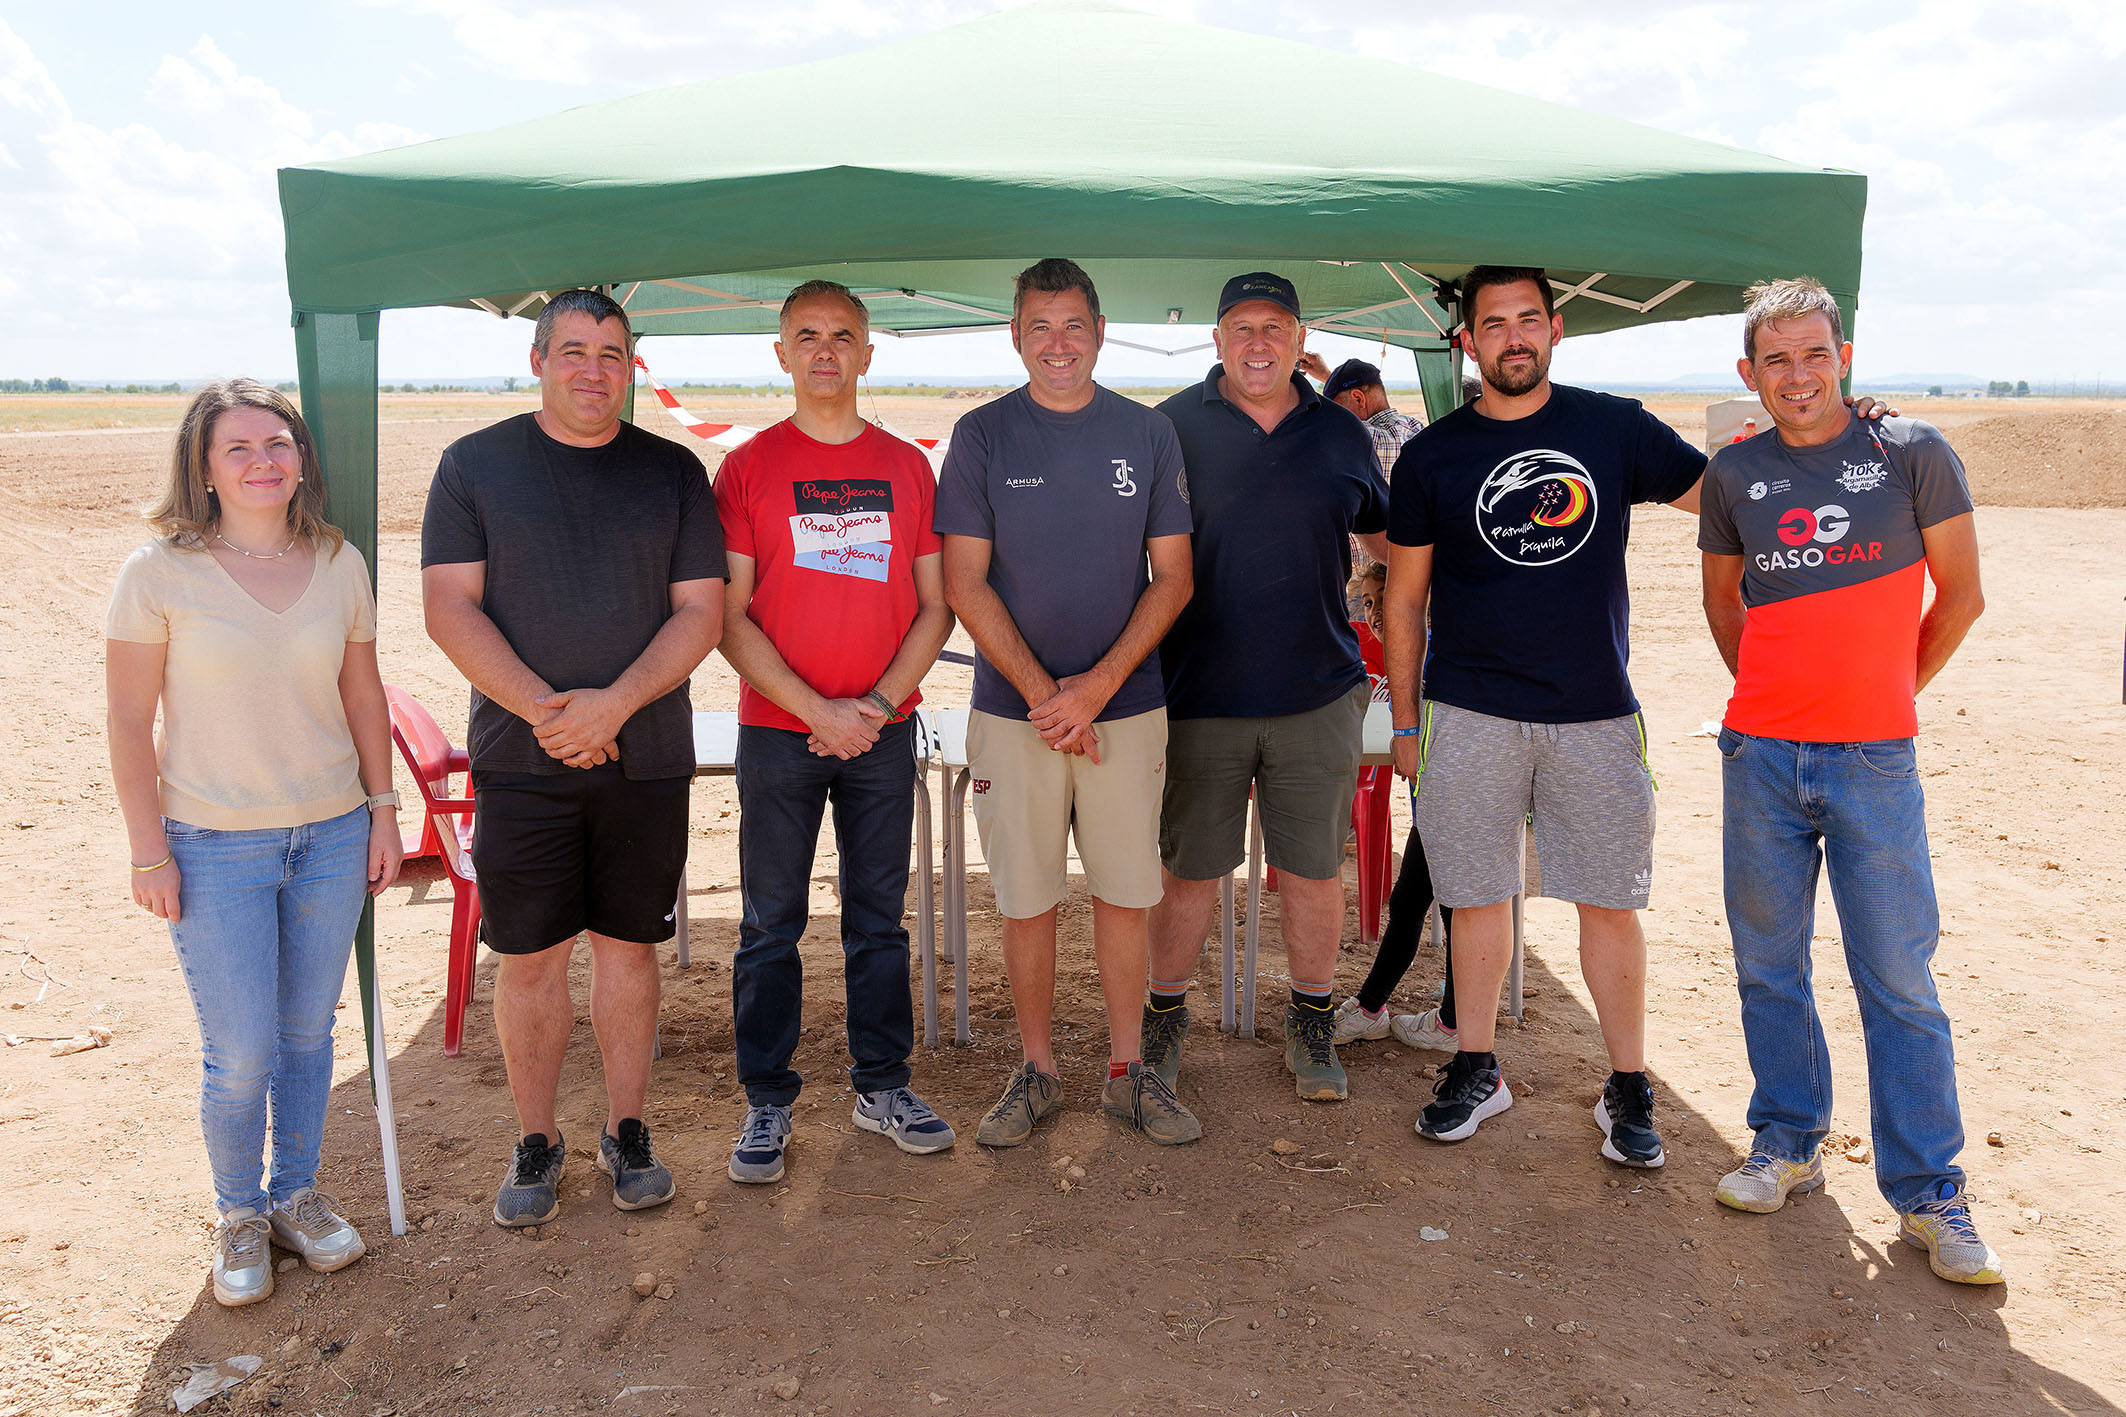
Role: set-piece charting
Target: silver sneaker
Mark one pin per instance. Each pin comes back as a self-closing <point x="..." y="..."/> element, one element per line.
<point x="1424" y="1031"/>
<point x="243" y="1261"/>
<point x="1761" y="1184"/>
<point x="756" y="1159"/>
<point x="1942" y="1227"/>
<point x="898" y="1113"/>
<point x="1355" y="1025"/>
<point x="311" y="1224"/>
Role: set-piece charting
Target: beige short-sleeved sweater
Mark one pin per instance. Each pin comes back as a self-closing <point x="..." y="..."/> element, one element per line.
<point x="253" y="731"/>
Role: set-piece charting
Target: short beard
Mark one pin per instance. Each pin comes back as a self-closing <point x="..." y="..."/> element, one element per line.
<point x="1513" y="386"/>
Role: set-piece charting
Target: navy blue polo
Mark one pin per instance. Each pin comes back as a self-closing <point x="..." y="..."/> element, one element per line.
<point x="1266" y="633"/>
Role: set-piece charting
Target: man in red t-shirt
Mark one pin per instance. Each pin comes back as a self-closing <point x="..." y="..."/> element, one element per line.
<point x="835" y="611"/>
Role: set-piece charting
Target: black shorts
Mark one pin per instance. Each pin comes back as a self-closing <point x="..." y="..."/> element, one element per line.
<point x="557" y="854"/>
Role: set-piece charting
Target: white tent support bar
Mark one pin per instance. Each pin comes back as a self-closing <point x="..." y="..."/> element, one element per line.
<point x="1155" y="349"/>
<point x="1677" y="289"/>
<point x="1379" y="331"/>
<point x="1639" y="307"/>
<point x="1435" y="283"/>
<point x="1417" y="304"/>
<point x="524" y="304"/>
<point x="689" y="286"/>
<point x="946" y="330"/>
<point x="633" y="291"/>
<point x="947" y="304"/>
<point x="1320" y="320"/>
<point x="491" y="308"/>
<point x="734" y="304"/>
<point x="1585" y="287"/>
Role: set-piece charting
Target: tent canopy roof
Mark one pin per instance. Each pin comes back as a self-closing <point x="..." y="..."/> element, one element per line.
<point x="925" y="174"/>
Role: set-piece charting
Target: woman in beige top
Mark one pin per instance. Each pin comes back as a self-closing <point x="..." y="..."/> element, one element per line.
<point x="265" y="810"/>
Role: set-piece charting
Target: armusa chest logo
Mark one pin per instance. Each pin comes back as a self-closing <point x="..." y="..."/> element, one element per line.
<point x="844" y="526"/>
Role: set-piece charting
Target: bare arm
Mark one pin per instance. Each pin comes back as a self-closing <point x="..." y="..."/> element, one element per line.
<point x="1722" y="580"/>
<point x="1065" y="719"/>
<point x="1375" y="544"/>
<point x="589" y="720"/>
<point x="369" y="719"/>
<point x="1403" y="641"/>
<point x="1688" y="502"/>
<point x="1952" y="560"/>
<point x="132" y="676"/>
<point x="926" y="635"/>
<point x="450" y="605"/>
<point x="981" y="610"/>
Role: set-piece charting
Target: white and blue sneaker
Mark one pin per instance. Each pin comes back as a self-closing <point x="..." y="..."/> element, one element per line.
<point x="757" y="1159"/>
<point x="898" y="1113"/>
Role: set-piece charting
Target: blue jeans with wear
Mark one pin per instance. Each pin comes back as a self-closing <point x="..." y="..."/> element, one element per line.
<point x="265" y="923"/>
<point x="784" y="790"/>
<point x="1790" y="809"/>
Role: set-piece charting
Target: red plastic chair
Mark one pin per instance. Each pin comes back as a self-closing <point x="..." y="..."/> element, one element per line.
<point x="446" y="832"/>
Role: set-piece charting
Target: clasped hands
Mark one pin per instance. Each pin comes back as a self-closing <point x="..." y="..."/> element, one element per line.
<point x="1065" y="718"/>
<point x="581" y="727"/>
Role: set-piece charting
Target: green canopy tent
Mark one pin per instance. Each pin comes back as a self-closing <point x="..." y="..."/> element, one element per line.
<point x="1163" y="156"/>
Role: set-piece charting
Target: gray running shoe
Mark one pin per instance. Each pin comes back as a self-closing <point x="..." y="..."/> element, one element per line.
<point x="1761" y="1184"/>
<point x="1141" y="1099"/>
<point x="1942" y="1227"/>
<point x="757" y="1159"/>
<point x="1426" y="1032"/>
<point x="1310" y="1053"/>
<point x="1163" y="1031"/>
<point x="1355" y="1025"/>
<point x="243" y="1261"/>
<point x="898" y="1113"/>
<point x="640" y="1180"/>
<point x="1030" y="1096"/>
<point x="531" y="1187"/>
<point x="312" y="1224"/>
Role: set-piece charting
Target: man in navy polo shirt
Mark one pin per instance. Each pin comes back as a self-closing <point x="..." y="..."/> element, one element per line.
<point x="1265" y="690"/>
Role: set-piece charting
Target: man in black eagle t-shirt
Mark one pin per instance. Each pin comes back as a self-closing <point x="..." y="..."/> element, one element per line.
<point x="573" y="570"/>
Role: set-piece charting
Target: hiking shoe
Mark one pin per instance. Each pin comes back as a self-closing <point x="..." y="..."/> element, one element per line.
<point x="1425" y="1031"/>
<point x="640" y="1180"/>
<point x="1310" y="1054"/>
<point x="1163" y="1031"/>
<point x="1030" y="1096"/>
<point x="312" y="1224"/>
<point x="243" y="1261"/>
<point x="757" y="1158"/>
<point x="898" y="1113"/>
<point x="531" y="1187"/>
<point x="1761" y="1184"/>
<point x="1942" y="1227"/>
<point x="1625" y="1113"/>
<point x="1141" y="1098"/>
<point x="1464" y="1096"/>
<point x="1355" y="1025"/>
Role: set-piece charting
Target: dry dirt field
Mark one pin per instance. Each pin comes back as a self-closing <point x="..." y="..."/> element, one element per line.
<point x="1090" y="1271"/>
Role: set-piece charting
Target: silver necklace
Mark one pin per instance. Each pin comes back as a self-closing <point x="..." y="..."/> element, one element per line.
<point x="254" y="555"/>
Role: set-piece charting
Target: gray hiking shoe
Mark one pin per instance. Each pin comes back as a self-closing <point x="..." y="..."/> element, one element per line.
<point x="1163" y="1031"/>
<point x="1144" y="1101"/>
<point x="898" y="1113"/>
<point x="1310" y="1053"/>
<point x="1030" y="1096"/>
<point x="757" y="1158"/>
<point x="312" y="1224"/>
<point x="243" y="1261"/>
<point x="640" y="1180"/>
<point x="531" y="1187"/>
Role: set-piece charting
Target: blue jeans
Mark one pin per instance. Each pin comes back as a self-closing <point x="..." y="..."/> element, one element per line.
<point x="265" y="924"/>
<point x="1788" y="809"/>
<point x="783" y="791"/>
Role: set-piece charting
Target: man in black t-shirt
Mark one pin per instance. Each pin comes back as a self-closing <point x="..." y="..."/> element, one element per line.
<point x="573" y="570"/>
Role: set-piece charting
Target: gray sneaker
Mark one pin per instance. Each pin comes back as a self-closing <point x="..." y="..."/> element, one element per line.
<point x="1310" y="1053"/>
<point x="1942" y="1227"/>
<point x="640" y="1180"/>
<point x="1355" y="1025"/>
<point x="757" y="1158"/>
<point x="898" y="1113"/>
<point x="1163" y="1031"/>
<point x="1141" y="1099"/>
<point x="1426" y="1032"/>
<point x="1030" y="1096"/>
<point x="531" y="1188"/>
<point x="312" y="1224"/>
<point x="1761" y="1184"/>
<point x="243" y="1261"/>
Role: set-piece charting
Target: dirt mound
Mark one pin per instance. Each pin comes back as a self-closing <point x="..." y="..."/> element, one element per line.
<point x="2061" y="460"/>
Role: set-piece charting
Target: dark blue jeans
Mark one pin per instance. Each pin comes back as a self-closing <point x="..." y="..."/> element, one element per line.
<point x="783" y="791"/>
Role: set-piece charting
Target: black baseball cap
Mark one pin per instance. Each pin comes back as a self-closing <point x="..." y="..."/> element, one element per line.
<point x="1259" y="285"/>
<point x="1349" y="375"/>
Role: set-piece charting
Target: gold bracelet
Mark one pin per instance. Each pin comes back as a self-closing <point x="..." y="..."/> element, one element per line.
<point x="158" y="865"/>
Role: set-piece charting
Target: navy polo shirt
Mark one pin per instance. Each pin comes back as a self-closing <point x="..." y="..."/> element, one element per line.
<point x="1266" y="634"/>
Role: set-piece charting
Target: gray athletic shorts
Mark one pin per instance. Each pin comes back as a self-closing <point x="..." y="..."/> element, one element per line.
<point x="1588" y="785"/>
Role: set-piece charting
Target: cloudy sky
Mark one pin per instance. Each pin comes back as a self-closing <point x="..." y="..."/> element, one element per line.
<point x="140" y="236"/>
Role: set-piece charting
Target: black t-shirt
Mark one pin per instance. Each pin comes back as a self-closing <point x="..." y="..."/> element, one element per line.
<point x="581" y="546"/>
<point x="1528" y="519"/>
<point x="1266" y="633"/>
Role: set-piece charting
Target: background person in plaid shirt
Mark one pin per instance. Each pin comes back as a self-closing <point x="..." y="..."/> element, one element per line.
<point x="1356" y="385"/>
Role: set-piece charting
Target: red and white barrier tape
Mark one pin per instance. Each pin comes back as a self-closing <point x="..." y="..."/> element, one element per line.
<point x="730" y="435"/>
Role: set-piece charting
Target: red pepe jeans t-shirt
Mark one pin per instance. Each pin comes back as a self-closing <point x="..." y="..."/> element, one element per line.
<point x="833" y="530"/>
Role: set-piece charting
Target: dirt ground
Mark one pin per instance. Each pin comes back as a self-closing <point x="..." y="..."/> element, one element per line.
<point x="1088" y="1270"/>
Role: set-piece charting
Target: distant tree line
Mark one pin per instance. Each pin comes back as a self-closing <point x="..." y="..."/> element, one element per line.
<point x="2002" y="389"/>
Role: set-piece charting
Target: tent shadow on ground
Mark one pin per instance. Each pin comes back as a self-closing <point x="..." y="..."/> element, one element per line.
<point x="1088" y="1267"/>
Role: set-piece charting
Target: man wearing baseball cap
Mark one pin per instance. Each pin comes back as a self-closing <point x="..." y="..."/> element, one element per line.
<point x="1356" y="385"/>
<point x="1265" y="689"/>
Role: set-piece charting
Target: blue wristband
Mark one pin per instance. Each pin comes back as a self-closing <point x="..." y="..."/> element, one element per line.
<point x="1407" y="732"/>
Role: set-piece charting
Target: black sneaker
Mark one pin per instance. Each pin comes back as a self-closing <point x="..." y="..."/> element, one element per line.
<point x="1626" y="1116"/>
<point x="1163" y="1031"/>
<point x="1465" y="1095"/>
<point x="640" y="1180"/>
<point x="531" y="1188"/>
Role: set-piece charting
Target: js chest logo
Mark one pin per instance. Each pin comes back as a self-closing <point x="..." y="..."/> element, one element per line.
<point x="1125" y="483"/>
<point x="1537" y="508"/>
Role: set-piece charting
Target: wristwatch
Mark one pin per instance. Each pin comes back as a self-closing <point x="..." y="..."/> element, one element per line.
<point x="385" y="799"/>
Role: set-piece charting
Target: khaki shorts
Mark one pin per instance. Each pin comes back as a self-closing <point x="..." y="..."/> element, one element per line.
<point x="1303" y="770"/>
<point x="1030" y="799"/>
